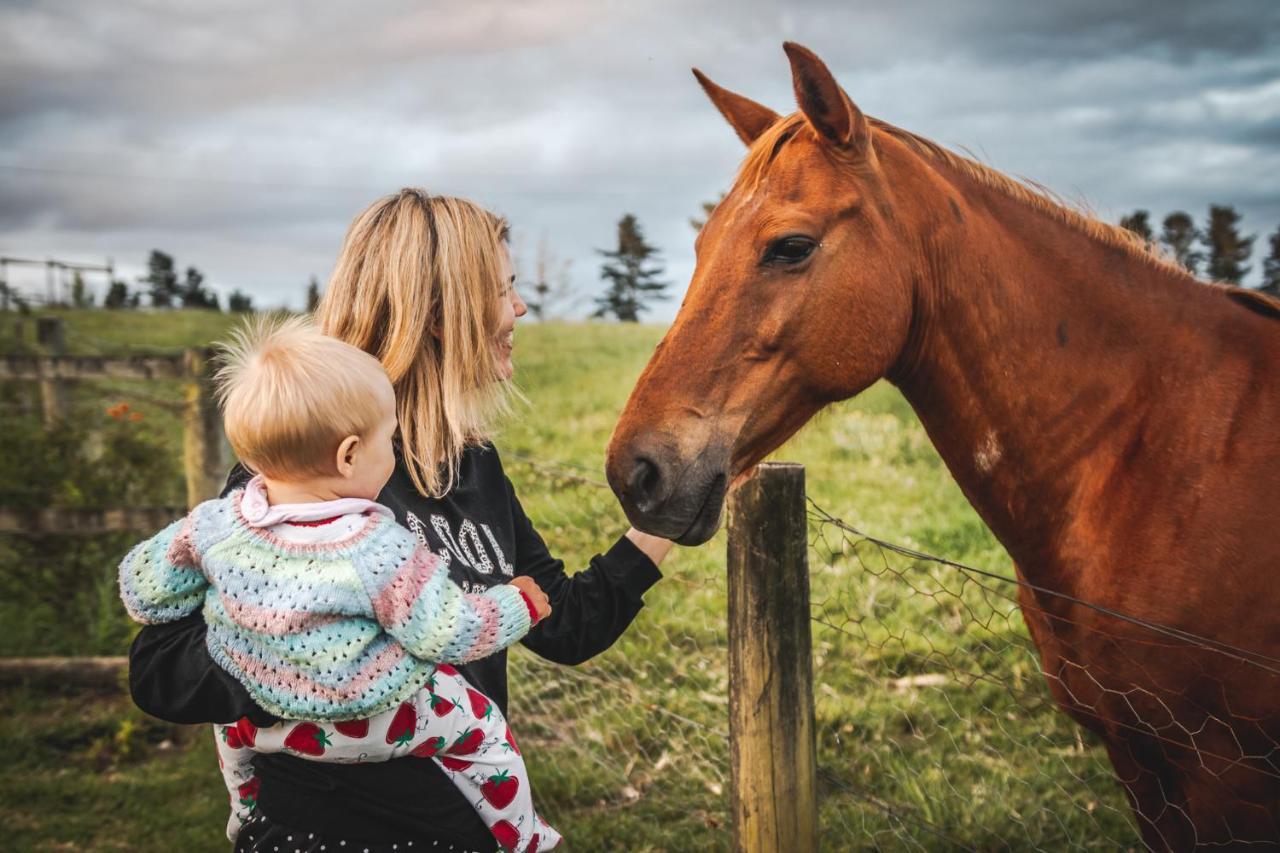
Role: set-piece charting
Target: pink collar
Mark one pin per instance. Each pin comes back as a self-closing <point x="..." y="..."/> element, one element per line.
<point x="259" y="513"/>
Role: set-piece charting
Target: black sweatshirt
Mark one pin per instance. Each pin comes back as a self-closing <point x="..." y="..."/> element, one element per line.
<point x="480" y="529"/>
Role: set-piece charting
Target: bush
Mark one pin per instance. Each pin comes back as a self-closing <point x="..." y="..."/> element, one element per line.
<point x="57" y="591"/>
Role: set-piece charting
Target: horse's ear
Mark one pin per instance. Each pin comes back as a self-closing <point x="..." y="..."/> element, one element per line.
<point x="836" y="118"/>
<point x="746" y="117"/>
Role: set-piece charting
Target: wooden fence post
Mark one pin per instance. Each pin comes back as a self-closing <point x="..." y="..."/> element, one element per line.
<point x="202" y="430"/>
<point x="51" y="336"/>
<point x="774" y="771"/>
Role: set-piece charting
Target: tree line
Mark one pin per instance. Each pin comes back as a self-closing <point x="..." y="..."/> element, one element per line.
<point x="1218" y="250"/>
<point x="161" y="287"/>
<point x="164" y="289"/>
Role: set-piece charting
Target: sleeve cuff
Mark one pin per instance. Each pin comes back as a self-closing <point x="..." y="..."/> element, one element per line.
<point x="533" y="611"/>
<point x="631" y="568"/>
<point x="517" y="613"/>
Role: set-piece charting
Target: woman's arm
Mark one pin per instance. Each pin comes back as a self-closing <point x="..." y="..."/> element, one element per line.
<point x="590" y="610"/>
<point x="171" y="676"/>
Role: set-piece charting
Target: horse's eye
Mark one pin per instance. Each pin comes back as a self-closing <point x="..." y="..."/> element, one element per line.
<point x="789" y="250"/>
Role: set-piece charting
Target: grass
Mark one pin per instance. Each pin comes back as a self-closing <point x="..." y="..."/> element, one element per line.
<point x="935" y="728"/>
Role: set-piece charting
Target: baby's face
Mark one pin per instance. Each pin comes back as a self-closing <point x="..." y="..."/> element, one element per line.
<point x="375" y="457"/>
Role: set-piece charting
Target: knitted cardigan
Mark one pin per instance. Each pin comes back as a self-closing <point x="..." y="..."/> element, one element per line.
<point x="328" y="631"/>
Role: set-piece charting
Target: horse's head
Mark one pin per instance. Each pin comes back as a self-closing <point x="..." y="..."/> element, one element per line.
<point x="800" y="297"/>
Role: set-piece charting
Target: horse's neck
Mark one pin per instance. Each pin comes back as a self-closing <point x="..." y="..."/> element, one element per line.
<point x="1033" y="355"/>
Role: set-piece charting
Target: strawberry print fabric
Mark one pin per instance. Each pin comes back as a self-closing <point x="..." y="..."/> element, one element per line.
<point x="448" y="721"/>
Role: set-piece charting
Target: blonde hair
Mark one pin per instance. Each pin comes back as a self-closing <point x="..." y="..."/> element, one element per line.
<point x="417" y="285"/>
<point x="290" y="394"/>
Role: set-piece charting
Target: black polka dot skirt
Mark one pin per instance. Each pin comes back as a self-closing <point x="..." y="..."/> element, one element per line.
<point x="262" y="835"/>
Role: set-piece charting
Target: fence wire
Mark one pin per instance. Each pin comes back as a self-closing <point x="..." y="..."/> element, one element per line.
<point x="638" y="736"/>
<point x="939" y="729"/>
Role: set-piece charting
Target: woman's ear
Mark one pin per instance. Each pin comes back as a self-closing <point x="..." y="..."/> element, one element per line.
<point x="346" y="456"/>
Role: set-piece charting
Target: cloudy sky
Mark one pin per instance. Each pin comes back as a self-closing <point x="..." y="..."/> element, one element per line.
<point x="242" y="137"/>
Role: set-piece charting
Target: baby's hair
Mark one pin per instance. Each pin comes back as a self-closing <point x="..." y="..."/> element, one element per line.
<point x="290" y="394"/>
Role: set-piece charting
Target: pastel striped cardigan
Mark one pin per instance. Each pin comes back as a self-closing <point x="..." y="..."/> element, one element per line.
<point x="329" y="631"/>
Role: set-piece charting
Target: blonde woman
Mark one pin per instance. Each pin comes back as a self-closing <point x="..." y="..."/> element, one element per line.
<point x="424" y="284"/>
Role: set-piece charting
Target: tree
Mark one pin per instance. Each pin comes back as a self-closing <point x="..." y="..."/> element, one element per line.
<point x="313" y="295"/>
<point x="1228" y="250"/>
<point x="551" y="283"/>
<point x="80" y="296"/>
<point x="633" y="277"/>
<point x="1271" y="266"/>
<point x="708" y="207"/>
<point x="161" y="279"/>
<point x="239" y="302"/>
<point x="1179" y="235"/>
<point x="1139" y="222"/>
<point x="117" y="295"/>
<point x="194" y="294"/>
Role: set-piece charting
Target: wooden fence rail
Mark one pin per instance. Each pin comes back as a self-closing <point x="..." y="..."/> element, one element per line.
<point x="85" y="522"/>
<point x="91" y="367"/>
<point x="771" y="717"/>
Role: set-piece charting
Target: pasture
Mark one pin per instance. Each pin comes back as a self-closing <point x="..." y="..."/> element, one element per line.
<point x="935" y="727"/>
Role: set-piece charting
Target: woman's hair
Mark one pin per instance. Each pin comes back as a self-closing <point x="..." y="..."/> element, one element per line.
<point x="290" y="394"/>
<point x="417" y="285"/>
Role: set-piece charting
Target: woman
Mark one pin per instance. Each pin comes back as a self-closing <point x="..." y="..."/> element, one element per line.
<point x="424" y="283"/>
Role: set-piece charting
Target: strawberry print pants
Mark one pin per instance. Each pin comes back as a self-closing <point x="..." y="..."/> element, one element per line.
<point x="447" y="721"/>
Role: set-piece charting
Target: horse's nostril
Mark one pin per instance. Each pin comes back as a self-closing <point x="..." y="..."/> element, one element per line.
<point x="643" y="483"/>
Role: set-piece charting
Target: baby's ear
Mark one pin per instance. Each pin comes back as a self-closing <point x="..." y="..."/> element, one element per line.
<point x="345" y="459"/>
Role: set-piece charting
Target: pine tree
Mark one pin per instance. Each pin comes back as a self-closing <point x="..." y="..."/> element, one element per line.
<point x="1139" y="222"/>
<point x="633" y="274"/>
<point x="1228" y="250"/>
<point x="117" y="295"/>
<point x="161" y="278"/>
<point x="313" y="295"/>
<point x="1271" y="266"/>
<point x="239" y="302"/>
<point x="1179" y="235"/>
<point x="193" y="292"/>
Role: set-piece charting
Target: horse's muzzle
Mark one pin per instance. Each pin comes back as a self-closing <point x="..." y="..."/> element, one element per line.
<point x="667" y="493"/>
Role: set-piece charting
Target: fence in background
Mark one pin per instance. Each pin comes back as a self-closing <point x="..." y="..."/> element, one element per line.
<point x="52" y="370"/>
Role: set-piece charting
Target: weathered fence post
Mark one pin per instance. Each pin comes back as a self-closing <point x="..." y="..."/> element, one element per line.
<point x="774" y="771"/>
<point x="202" y="430"/>
<point x="51" y="336"/>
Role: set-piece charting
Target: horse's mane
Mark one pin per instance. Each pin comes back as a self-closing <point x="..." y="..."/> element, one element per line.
<point x="766" y="148"/>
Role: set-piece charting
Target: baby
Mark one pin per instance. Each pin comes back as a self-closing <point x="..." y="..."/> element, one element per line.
<point x="324" y="608"/>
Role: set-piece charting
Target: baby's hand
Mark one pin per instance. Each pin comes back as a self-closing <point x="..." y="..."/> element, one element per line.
<point x="530" y="588"/>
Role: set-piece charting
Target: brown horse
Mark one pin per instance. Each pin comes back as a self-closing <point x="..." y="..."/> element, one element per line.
<point x="1115" y="422"/>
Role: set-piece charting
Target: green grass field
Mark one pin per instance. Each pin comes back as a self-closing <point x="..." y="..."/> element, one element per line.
<point x="935" y="728"/>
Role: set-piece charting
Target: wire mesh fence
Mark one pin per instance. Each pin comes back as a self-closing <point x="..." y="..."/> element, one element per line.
<point x="938" y="727"/>
<point x="935" y="726"/>
<point x="642" y="728"/>
<point x="960" y="738"/>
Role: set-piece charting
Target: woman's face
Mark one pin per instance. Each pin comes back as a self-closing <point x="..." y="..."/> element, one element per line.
<point x="512" y="306"/>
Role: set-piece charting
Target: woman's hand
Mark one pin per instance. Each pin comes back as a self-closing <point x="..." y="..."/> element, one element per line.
<point x="654" y="547"/>
<point x="527" y="585"/>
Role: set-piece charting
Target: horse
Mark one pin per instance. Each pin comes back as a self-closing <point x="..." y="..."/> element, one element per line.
<point x="1114" y="421"/>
